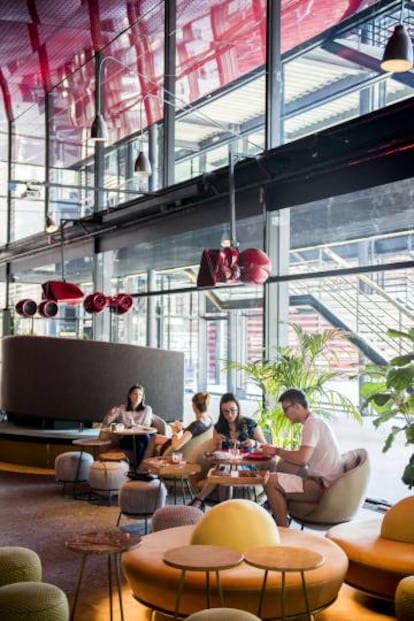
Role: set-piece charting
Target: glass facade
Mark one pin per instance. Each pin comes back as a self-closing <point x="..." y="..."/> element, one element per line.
<point x="339" y="260"/>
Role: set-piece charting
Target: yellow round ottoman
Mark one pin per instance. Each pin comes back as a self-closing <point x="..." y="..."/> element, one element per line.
<point x="222" y="614"/>
<point x="33" y="601"/>
<point x="236" y="524"/>
<point x="155" y="584"/>
<point x="404" y="599"/>
<point x="18" y="565"/>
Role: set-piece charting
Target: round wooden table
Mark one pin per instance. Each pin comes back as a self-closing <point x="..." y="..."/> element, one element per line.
<point x="112" y="543"/>
<point x="133" y="432"/>
<point x="165" y="469"/>
<point x="201" y="558"/>
<point x="96" y="444"/>
<point x="284" y="559"/>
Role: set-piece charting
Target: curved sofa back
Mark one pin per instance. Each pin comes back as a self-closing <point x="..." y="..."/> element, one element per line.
<point x="79" y="380"/>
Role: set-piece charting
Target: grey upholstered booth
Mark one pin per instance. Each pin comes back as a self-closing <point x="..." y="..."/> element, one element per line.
<point x="47" y="379"/>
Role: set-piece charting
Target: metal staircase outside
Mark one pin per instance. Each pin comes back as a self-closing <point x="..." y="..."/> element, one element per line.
<point x="361" y="305"/>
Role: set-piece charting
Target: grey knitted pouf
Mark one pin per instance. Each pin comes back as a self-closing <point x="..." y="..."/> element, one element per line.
<point x="175" y="515"/>
<point x="139" y="499"/>
<point x="72" y="466"/>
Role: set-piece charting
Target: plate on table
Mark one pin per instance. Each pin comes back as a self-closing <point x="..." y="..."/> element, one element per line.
<point x="257" y="456"/>
<point x="221" y="455"/>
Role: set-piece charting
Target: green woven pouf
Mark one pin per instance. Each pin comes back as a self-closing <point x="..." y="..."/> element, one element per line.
<point x="19" y="565"/>
<point x="404" y="599"/>
<point x="222" y="614"/>
<point x="33" y="601"/>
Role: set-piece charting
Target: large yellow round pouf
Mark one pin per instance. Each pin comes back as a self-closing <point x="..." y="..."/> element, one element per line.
<point x="397" y="524"/>
<point x="238" y="524"/>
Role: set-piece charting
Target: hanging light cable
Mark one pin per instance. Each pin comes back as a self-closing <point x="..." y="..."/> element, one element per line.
<point x="99" y="130"/>
<point x="398" y="53"/>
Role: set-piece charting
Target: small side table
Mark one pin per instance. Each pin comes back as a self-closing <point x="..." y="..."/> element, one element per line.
<point x="284" y="559"/>
<point x="201" y="558"/>
<point x="165" y="469"/>
<point x="95" y="444"/>
<point x="111" y="542"/>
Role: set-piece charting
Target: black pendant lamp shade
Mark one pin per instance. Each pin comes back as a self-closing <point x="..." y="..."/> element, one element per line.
<point x="398" y="53"/>
<point x="143" y="168"/>
<point x="99" y="130"/>
<point x="50" y="225"/>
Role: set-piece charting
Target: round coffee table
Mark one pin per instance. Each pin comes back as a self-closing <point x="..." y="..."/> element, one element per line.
<point x="284" y="559"/>
<point x="96" y="444"/>
<point x="201" y="558"/>
<point x="177" y="472"/>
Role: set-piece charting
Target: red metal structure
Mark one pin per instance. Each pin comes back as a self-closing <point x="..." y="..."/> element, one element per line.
<point x="49" y="47"/>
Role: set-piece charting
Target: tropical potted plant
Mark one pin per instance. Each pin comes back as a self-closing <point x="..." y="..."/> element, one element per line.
<point x="309" y="366"/>
<point x="390" y="392"/>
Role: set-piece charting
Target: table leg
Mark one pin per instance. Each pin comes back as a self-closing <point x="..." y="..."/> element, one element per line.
<point x="178" y="596"/>
<point x="75" y="601"/>
<point x="262" y="592"/>
<point x="208" y="595"/>
<point x="283" y="595"/>
<point x="118" y="584"/>
<point x="78" y="467"/>
<point x="305" y="594"/>
<point x="219" y="589"/>
<point x="183" y="490"/>
<point x="190" y="491"/>
<point x="110" y="587"/>
<point x="134" y="448"/>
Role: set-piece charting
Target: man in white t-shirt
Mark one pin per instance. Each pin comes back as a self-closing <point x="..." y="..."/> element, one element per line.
<point x="317" y="462"/>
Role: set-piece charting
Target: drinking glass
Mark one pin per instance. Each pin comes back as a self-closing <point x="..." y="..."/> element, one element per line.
<point x="176" y="458"/>
<point x="234" y="449"/>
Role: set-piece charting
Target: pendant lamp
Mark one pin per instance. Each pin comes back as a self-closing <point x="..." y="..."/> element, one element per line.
<point x="398" y="53"/>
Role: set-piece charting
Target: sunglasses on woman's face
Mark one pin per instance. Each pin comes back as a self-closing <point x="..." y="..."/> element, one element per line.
<point x="229" y="410"/>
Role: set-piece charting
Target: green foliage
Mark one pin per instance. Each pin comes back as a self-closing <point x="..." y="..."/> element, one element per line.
<point x="307" y="366"/>
<point x="390" y="392"/>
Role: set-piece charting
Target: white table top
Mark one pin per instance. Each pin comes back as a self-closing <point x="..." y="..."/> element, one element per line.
<point x="137" y="430"/>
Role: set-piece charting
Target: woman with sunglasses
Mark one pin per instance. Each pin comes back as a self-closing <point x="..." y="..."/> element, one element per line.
<point x="231" y="427"/>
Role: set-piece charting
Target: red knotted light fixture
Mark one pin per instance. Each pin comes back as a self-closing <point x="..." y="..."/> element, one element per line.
<point x="118" y="304"/>
<point x="228" y="265"/>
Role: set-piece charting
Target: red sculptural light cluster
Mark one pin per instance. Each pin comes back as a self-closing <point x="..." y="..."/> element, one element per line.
<point x="224" y="265"/>
<point x="55" y="291"/>
<point x="118" y="304"/>
<point x="228" y="265"/>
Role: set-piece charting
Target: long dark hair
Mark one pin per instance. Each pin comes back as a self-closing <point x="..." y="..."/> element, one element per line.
<point x="222" y="425"/>
<point x="140" y="406"/>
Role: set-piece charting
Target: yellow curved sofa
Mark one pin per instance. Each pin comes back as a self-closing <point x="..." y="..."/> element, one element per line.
<point x="155" y="584"/>
<point x="380" y="551"/>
